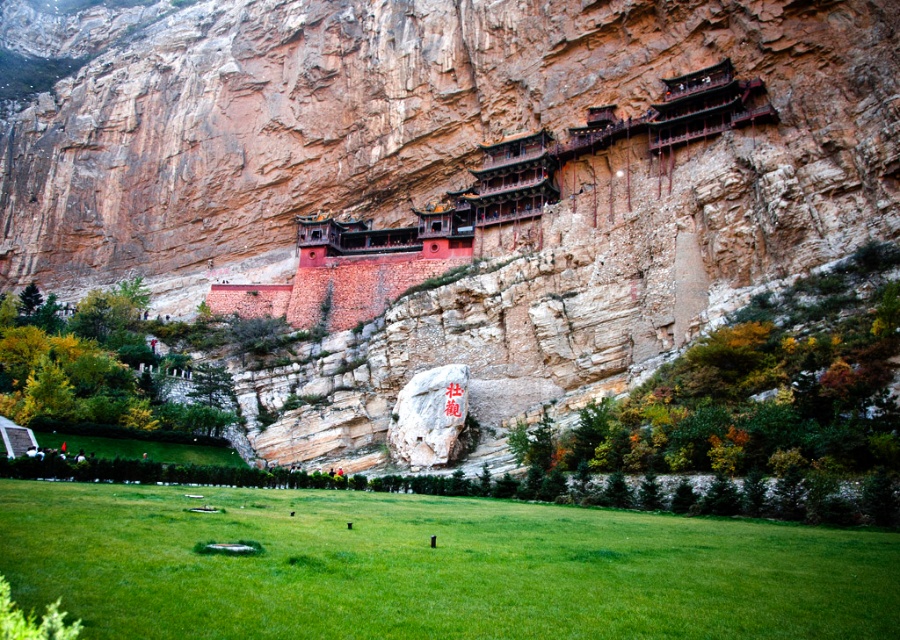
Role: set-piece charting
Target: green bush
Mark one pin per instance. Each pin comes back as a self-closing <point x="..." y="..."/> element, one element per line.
<point x="754" y="497"/>
<point x="617" y="493"/>
<point x="879" y="498"/>
<point x="505" y="487"/>
<point x="650" y="495"/>
<point x="790" y="494"/>
<point x="14" y="625"/>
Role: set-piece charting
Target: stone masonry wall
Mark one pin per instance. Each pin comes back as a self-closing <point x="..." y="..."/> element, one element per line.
<point x="360" y="288"/>
<point x="249" y="301"/>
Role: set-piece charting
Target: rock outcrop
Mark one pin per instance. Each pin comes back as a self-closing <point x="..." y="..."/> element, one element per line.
<point x="429" y="417"/>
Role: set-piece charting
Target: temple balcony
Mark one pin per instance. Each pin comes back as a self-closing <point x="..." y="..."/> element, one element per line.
<point x="660" y="143"/>
<point x="690" y="89"/>
<point x="328" y="240"/>
<point x="601" y="138"/>
<point x="489" y="219"/>
<point x="601" y="115"/>
<point x="765" y="112"/>
<point x="494" y="162"/>
<point x="393" y="247"/>
<point x="513" y="186"/>
<point x="702" y="110"/>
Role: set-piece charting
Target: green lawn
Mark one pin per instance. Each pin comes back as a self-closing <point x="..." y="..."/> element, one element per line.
<point x="134" y="449"/>
<point x="121" y="557"/>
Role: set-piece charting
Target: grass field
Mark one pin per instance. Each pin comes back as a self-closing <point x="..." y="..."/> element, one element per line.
<point x="135" y="449"/>
<point x="121" y="557"/>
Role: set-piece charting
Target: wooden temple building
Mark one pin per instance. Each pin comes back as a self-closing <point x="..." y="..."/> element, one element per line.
<point x="705" y="103"/>
<point x="515" y="181"/>
<point x="441" y="232"/>
<point x="354" y="270"/>
<point x="603" y="128"/>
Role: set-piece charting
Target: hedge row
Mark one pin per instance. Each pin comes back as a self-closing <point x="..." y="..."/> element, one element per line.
<point x="794" y="497"/>
<point x="49" y="425"/>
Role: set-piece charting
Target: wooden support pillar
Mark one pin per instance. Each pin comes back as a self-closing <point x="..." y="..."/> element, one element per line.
<point x="659" y="165"/>
<point x="628" y="167"/>
<point x="671" y="167"/>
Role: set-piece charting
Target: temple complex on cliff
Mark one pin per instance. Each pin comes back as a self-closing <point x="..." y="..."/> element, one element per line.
<point x="356" y="270"/>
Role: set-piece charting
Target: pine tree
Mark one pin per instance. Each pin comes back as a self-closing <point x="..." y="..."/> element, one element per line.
<point x="754" y="497"/>
<point x="617" y="493"/>
<point x="790" y="494"/>
<point x="650" y="493"/>
<point x="484" y="481"/>
<point x="528" y="490"/>
<point x="722" y="498"/>
<point x="879" y="498"/>
<point x="30" y="299"/>
<point x="553" y="485"/>
<point x="582" y="478"/>
<point x="213" y="386"/>
<point x="505" y="487"/>
<point x="684" y="497"/>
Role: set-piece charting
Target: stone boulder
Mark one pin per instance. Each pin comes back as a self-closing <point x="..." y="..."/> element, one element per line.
<point x="430" y="415"/>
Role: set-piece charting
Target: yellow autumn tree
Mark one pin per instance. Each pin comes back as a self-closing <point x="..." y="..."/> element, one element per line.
<point x="140" y="416"/>
<point x="48" y="392"/>
<point x="20" y="350"/>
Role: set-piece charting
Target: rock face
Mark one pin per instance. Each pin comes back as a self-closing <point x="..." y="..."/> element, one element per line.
<point x="205" y="132"/>
<point x="430" y="414"/>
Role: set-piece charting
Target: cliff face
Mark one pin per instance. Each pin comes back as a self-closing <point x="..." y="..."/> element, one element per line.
<point x="205" y="133"/>
<point x="201" y="135"/>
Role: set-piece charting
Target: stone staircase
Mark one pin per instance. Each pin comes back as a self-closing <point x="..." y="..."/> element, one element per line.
<point x="16" y="439"/>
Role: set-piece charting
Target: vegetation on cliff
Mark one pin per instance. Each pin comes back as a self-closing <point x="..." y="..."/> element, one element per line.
<point x="804" y="372"/>
<point x="63" y="371"/>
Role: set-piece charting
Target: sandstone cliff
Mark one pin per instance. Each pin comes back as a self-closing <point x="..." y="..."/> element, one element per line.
<point x="202" y="136"/>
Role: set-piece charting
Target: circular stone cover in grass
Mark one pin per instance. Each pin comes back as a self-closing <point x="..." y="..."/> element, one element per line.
<point x="193" y="496"/>
<point x="231" y="548"/>
<point x="239" y="548"/>
<point x="204" y="510"/>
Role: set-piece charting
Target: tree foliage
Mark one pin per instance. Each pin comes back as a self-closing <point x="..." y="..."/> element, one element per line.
<point x="213" y="386"/>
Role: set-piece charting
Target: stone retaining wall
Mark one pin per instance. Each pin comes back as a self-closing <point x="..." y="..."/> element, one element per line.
<point x="358" y="289"/>
<point x="249" y="301"/>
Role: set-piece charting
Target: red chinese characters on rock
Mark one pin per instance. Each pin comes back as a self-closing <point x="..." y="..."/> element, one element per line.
<point x="453" y="409"/>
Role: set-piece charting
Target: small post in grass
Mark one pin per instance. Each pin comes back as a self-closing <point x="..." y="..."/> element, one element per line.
<point x="349" y="525"/>
<point x="433" y="542"/>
